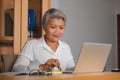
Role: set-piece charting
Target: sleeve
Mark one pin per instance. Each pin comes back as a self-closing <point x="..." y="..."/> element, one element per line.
<point x="71" y="64"/>
<point x="25" y="60"/>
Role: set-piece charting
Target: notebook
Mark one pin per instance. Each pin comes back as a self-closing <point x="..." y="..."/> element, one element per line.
<point x="93" y="57"/>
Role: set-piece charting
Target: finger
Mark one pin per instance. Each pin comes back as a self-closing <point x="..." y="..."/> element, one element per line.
<point x="56" y="63"/>
<point x="53" y="62"/>
<point x="48" y="68"/>
<point x="49" y="62"/>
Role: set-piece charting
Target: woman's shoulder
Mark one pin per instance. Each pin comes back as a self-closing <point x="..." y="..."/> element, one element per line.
<point x="35" y="41"/>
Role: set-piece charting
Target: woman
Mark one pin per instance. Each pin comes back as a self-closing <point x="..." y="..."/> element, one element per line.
<point x="48" y="52"/>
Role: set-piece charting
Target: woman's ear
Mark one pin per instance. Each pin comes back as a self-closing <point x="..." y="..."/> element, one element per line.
<point x="44" y="28"/>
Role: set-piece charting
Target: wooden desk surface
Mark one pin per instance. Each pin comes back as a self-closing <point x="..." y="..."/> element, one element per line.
<point x="82" y="76"/>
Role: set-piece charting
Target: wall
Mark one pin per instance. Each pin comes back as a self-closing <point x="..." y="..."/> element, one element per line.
<point x="116" y="6"/>
<point x="90" y="21"/>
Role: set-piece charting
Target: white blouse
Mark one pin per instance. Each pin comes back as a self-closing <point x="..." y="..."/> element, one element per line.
<point x="37" y="52"/>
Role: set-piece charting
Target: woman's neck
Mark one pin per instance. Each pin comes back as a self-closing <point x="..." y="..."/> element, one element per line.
<point x="51" y="44"/>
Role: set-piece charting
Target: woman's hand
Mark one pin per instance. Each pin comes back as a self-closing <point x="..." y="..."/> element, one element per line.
<point x="50" y="64"/>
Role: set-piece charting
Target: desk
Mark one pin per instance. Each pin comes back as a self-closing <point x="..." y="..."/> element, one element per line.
<point x="82" y="76"/>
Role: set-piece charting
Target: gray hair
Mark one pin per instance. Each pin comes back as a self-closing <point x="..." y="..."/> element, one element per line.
<point x="53" y="13"/>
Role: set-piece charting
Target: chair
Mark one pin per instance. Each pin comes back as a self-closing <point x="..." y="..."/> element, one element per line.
<point x="7" y="62"/>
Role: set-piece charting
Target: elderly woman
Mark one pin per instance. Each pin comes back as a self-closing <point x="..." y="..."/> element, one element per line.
<point x="49" y="51"/>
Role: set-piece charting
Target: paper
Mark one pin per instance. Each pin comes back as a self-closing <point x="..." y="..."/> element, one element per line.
<point x="14" y="73"/>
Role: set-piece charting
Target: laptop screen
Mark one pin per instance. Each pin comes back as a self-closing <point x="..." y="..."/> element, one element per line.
<point x="93" y="57"/>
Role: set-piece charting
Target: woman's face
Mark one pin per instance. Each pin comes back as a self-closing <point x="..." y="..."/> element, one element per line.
<point x="55" y="29"/>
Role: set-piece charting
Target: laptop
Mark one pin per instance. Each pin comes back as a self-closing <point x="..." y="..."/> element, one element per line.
<point x="92" y="58"/>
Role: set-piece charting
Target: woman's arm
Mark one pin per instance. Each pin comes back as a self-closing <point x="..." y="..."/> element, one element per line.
<point x="21" y="64"/>
<point x="24" y="64"/>
<point x="25" y="61"/>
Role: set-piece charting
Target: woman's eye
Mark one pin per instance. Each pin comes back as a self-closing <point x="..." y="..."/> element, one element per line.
<point x="61" y="28"/>
<point x="52" y="27"/>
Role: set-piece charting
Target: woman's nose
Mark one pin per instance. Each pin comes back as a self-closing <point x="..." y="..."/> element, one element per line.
<point x="57" y="30"/>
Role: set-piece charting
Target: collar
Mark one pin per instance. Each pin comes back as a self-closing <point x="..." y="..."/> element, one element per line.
<point x="42" y="43"/>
